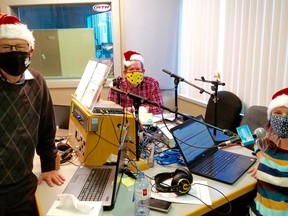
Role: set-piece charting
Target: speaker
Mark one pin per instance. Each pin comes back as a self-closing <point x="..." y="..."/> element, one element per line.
<point x="180" y="184"/>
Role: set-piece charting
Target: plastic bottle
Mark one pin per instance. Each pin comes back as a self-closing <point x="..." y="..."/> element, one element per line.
<point x="142" y="195"/>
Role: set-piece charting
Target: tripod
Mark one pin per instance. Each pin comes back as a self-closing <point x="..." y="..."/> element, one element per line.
<point x="177" y="79"/>
<point x="215" y="98"/>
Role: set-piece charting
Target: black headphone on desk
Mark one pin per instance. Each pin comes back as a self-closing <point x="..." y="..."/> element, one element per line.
<point x="180" y="184"/>
<point x="67" y="151"/>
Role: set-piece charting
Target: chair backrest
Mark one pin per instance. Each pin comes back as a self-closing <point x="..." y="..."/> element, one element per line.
<point x="254" y="117"/>
<point x="229" y="107"/>
<point x="62" y="116"/>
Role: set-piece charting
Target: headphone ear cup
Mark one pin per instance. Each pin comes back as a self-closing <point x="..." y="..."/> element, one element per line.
<point x="182" y="180"/>
<point x="159" y="179"/>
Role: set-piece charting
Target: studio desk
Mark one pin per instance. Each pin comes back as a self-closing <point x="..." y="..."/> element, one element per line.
<point x="47" y="195"/>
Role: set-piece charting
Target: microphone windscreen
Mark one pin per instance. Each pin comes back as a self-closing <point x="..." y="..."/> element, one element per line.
<point x="260" y="133"/>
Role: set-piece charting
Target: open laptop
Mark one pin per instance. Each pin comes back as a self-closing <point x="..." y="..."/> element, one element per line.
<point x="105" y="184"/>
<point x="203" y="157"/>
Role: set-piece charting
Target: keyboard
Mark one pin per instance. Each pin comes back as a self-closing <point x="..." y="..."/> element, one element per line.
<point x="221" y="161"/>
<point x="95" y="185"/>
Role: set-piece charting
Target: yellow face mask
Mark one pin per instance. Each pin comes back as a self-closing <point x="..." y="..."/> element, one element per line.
<point x="135" y="78"/>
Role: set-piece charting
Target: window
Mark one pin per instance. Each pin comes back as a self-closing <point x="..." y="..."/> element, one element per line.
<point x="69" y="34"/>
<point x="244" y="41"/>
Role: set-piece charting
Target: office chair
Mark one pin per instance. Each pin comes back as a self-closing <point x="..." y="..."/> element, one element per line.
<point x="229" y="107"/>
<point x="255" y="117"/>
<point x="62" y="115"/>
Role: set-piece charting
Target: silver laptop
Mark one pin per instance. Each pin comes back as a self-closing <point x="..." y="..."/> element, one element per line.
<point x="203" y="157"/>
<point x="100" y="183"/>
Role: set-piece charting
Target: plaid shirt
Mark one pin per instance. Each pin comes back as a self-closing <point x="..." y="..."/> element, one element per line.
<point x="148" y="89"/>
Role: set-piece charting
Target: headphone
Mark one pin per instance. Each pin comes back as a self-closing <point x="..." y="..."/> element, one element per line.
<point x="67" y="152"/>
<point x="66" y="155"/>
<point x="180" y="184"/>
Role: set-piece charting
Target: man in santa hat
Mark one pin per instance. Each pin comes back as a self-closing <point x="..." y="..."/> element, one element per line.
<point x="271" y="169"/>
<point x="27" y="122"/>
<point x="135" y="82"/>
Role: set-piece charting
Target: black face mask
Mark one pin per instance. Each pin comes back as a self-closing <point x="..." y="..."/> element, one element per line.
<point x="14" y="63"/>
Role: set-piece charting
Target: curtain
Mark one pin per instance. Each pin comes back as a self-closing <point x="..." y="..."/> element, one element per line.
<point x="242" y="43"/>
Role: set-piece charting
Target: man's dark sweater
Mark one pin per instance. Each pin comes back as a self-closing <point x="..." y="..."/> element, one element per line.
<point x="26" y="122"/>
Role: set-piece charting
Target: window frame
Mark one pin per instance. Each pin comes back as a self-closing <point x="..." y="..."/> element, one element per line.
<point x="5" y="6"/>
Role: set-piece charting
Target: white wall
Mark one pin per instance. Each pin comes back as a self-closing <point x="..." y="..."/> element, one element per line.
<point x="151" y="28"/>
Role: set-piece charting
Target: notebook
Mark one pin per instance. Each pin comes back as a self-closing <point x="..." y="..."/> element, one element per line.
<point x="107" y="179"/>
<point x="203" y="157"/>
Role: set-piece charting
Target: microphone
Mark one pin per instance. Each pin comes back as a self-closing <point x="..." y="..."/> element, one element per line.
<point x="144" y="100"/>
<point x="173" y="75"/>
<point x="259" y="133"/>
<point x="135" y="97"/>
<point x="217" y="82"/>
<point x="116" y="81"/>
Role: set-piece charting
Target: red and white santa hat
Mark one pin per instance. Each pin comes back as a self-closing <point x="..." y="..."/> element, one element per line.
<point x="12" y="28"/>
<point x="279" y="99"/>
<point x="131" y="55"/>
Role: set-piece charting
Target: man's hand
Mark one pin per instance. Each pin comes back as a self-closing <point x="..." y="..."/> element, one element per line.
<point x="52" y="177"/>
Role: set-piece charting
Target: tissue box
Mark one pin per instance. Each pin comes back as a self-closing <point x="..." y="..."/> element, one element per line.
<point x="96" y="211"/>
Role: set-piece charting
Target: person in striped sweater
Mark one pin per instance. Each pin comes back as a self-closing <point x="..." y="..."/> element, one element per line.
<point x="271" y="169"/>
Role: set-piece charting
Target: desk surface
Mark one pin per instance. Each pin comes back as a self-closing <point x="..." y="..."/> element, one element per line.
<point x="47" y="195"/>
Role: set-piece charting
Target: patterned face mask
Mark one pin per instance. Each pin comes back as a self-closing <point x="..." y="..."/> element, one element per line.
<point x="279" y="125"/>
<point x="135" y="78"/>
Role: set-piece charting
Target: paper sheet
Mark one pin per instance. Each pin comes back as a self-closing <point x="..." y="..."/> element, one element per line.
<point x="198" y="192"/>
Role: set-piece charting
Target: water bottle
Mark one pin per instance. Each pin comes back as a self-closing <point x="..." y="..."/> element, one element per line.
<point x="142" y="194"/>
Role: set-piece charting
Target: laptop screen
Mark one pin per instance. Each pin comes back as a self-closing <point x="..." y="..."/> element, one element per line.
<point x="193" y="138"/>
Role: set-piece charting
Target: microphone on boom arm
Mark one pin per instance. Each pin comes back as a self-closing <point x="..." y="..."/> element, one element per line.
<point x="116" y="82"/>
<point x="259" y="133"/>
<point x="216" y="82"/>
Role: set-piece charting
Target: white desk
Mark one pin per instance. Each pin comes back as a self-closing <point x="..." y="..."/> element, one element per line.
<point x="124" y="206"/>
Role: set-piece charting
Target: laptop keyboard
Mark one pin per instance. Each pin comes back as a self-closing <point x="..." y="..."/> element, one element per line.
<point x="95" y="185"/>
<point x="219" y="163"/>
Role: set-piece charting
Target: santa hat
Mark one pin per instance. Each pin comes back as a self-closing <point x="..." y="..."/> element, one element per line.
<point x="131" y="55"/>
<point x="12" y="28"/>
<point x="279" y="99"/>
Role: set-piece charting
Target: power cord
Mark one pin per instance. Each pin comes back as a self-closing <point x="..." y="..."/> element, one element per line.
<point x="153" y="186"/>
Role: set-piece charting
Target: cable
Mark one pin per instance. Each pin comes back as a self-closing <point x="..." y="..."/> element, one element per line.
<point x="214" y="210"/>
<point x="170" y="156"/>
<point x="153" y="189"/>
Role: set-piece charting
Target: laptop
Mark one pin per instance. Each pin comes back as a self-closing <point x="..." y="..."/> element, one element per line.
<point x="106" y="182"/>
<point x="203" y="157"/>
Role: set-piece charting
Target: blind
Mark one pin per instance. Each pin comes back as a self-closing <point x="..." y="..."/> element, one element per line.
<point x="246" y="42"/>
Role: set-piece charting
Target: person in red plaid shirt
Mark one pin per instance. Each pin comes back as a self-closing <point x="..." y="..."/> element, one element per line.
<point x="136" y="83"/>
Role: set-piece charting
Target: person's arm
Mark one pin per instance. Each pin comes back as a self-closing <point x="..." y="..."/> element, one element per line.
<point x="46" y="148"/>
<point x="112" y="96"/>
<point x="258" y="153"/>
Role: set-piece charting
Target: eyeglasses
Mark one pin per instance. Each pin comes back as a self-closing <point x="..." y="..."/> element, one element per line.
<point x="135" y="70"/>
<point x="17" y="47"/>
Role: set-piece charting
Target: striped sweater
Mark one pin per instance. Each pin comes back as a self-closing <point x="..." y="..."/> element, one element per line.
<point x="272" y="183"/>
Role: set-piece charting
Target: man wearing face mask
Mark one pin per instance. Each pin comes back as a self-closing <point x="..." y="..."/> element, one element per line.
<point x="27" y="122"/>
<point x="271" y="169"/>
<point x="136" y="83"/>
